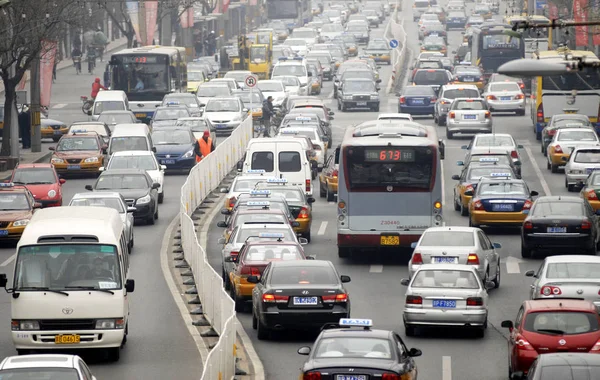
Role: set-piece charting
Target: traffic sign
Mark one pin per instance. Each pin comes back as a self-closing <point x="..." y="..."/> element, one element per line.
<point x="394" y="44"/>
<point x="251" y="80"/>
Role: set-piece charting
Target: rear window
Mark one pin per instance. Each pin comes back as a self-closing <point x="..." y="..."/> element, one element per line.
<point x="570" y="372"/>
<point x="431" y="77"/>
<point x="421" y="4"/>
<point x="508" y="86"/>
<point x="262" y="160"/>
<point x="447" y="239"/>
<point x="587" y="157"/>
<point x="445" y="279"/>
<point x="119" y="144"/>
<point x="418" y="90"/>
<point x="494" y="141"/>
<point x="430" y="65"/>
<point x="577" y="136"/>
<point x="573" y="270"/>
<point x="104" y="105"/>
<point x="289" y="162"/>
<point x="461" y="93"/>
<point x="558" y="208"/>
<point x="470" y="106"/>
<point x="561" y="322"/>
<point x="273" y="253"/>
<point x="299" y="274"/>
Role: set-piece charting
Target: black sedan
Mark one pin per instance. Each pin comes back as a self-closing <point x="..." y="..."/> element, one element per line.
<point x="358" y="93"/>
<point x="136" y="186"/>
<point x="298" y="295"/>
<point x="560" y="222"/>
<point x="353" y="351"/>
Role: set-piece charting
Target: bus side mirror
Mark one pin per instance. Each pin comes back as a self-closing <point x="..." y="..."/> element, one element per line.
<point x="3" y="280"/>
<point x="130" y="286"/>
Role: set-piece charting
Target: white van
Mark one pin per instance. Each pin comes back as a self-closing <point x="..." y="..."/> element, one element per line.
<point x="296" y="67"/>
<point x="280" y="157"/>
<point x="70" y="285"/>
<point x="113" y="100"/>
<point x="130" y="137"/>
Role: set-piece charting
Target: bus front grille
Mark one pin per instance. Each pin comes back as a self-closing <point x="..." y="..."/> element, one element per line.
<point x="67" y="324"/>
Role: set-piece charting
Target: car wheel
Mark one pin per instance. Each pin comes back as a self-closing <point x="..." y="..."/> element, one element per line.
<point x="156" y="211"/>
<point x="570" y="188"/>
<point x="240" y="304"/>
<point x="471" y="224"/>
<point x="525" y="252"/>
<point x="262" y="331"/>
<point x="456" y="205"/>
<point x="330" y="195"/>
<point x="497" y="278"/>
<point x="131" y="241"/>
<point x="226" y="280"/>
<point x="322" y="190"/>
<point x="23" y="352"/>
<point x="538" y="135"/>
<point x="150" y="219"/>
<point x="161" y="197"/>
<point x="254" y="320"/>
<point x="307" y="236"/>
<point x="344" y="252"/>
<point x="114" y="354"/>
<point x="553" y="168"/>
<point x="449" y="135"/>
<point x="410" y="330"/>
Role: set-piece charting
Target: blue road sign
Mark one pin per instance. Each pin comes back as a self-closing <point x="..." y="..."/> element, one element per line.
<point x="394" y="44"/>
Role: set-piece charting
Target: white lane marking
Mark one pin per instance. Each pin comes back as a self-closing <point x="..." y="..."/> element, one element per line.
<point x="59" y="106"/>
<point x="512" y="265"/>
<point x="322" y="228"/>
<point x="8" y="261"/>
<point x="331" y="203"/>
<point x="376" y="268"/>
<point x="185" y="313"/>
<point x="537" y="170"/>
<point x="446" y="368"/>
<point x="443" y="183"/>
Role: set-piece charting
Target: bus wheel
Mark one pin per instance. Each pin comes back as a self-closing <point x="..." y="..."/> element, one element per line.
<point x="343" y="252"/>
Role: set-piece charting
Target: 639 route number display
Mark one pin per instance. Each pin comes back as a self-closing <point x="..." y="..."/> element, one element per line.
<point x="389" y="155"/>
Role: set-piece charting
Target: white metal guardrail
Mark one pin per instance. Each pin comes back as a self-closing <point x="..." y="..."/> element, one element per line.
<point x="218" y="307"/>
<point x="395" y="30"/>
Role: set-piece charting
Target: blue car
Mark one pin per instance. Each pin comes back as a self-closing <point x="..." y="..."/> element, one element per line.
<point x="417" y="100"/>
<point x="175" y="147"/>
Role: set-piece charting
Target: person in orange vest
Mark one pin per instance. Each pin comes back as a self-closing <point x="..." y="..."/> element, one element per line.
<point x="203" y="146"/>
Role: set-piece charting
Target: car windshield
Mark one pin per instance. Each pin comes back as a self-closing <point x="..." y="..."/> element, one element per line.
<point x="213" y="91"/>
<point x="434" y="77"/>
<point x="105" y="105"/>
<point x="378" y="45"/>
<point x="33" y="176"/>
<point x="257" y="217"/>
<point x="189" y="101"/>
<point x="77" y="143"/>
<point x="303" y="275"/>
<point x="249" y="97"/>
<point x="347" y="38"/>
<point x="447" y="239"/>
<point x="145" y="162"/>
<point x="113" y="119"/>
<point x="561" y="322"/>
<point x="558" y="208"/>
<point x="172" y="137"/>
<point x="454" y="279"/>
<point x="418" y="90"/>
<point x="14" y="201"/>
<point x="508" y="86"/>
<point x="566" y="135"/>
<point x="273" y="253"/>
<point x="270" y="86"/>
<point x="246" y="233"/>
<point x="502" y="188"/>
<point x="113" y="203"/>
<point x="571" y="118"/>
<point x="349" y="347"/>
<point x="494" y="141"/>
<point x="573" y="270"/>
<point x="40" y="373"/>
<point x="477" y="173"/>
<point x="587" y="157"/>
<point x="245" y="185"/>
<point x="122" y="182"/>
<point x="358" y="86"/>
<point x="469" y="105"/>
<point x="461" y="93"/>
<point x="294" y="70"/>
<point x="222" y="105"/>
<point x="294" y="42"/>
<point x="170" y="114"/>
<point x="195" y="76"/>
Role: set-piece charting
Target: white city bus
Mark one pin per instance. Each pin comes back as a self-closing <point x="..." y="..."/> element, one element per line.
<point x="70" y="287"/>
<point x="389" y="185"/>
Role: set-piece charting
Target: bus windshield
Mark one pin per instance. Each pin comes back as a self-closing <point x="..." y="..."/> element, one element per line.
<point x="380" y="167"/>
<point x="588" y="79"/>
<point x="500" y="41"/>
<point x="67" y="267"/>
<point x="141" y="77"/>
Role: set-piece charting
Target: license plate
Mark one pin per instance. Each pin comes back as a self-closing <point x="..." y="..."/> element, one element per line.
<point x="67" y="339"/>
<point x="57" y="132"/>
<point x="220" y="126"/>
<point x="589" y="170"/>
<point x="305" y="301"/>
<point x="469" y="80"/>
<point x="418" y="101"/>
<point x="167" y="162"/>
<point x="390" y="240"/>
<point x="505" y="98"/>
<point x="351" y="377"/>
<point x="434" y="34"/>
<point x="361" y="103"/>
<point x="503" y="207"/>
<point x="73" y="167"/>
<point x="445" y="260"/>
<point x="470" y="117"/>
<point x="557" y="230"/>
<point x="142" y="115"/>
<point x="3" y="232"/>
<point x="446" y="304"/>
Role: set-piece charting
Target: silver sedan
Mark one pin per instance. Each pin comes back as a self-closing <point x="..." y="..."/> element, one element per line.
<point x="468" y="116"/>
<point x="567" y="276"/>
<point x="505" y="97"/>
<point x="582" y="162"/>
<point x="446" y="295"/>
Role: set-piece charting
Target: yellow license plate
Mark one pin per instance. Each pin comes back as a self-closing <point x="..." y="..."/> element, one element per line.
<point x="390" y="240"/>
<point x="140" y="115"/>
<point x="570" y="111"/>
<point x="67" y="339"/>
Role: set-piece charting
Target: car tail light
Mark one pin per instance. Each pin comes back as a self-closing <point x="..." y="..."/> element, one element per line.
<point x="307" y="188"/>
<point x="414" y="300"/>
<point x="451" y="115"/>
<point x="522" y="85"/>
<point x="402" y="100"/>
<point x="444" y="102"/>
<point x="491" y="97"/>
<point x="312" y="376"/>
<point x="232" y="201"/>
<point x="234" y="253"/>
<point x="343" y="297"/>
<point x="527" y="205"/>
<point x="250" y="271"/>
<point x="522" y="343"/>
<point x="551" y="132"/>
<point x="481" y="78"/>
<point x="540" y="113"/>
<point x="514" y="154"/>
<point x="334" y="173"/>
<point x="591" y="195"/>
<point x="548" y="290"/>
<point x="477" y="205"/>
<point x="527" y="225"/>
<point x="275" y="298"/>
<point x="520" y="96"/>
<point x="303" y="213"/>
<point x="417" y="258"/>
<point x="474" y="301"/>
<point x="586" y="225"/>
<point x="557" y="149"/>
<point x="391" y="376"/>
<point x="596" y="347"/>
<point x="473" y="259"/>
<point x="433" y="100"/>
<point x="487" y="114"/>
<point x="469" y="188"/>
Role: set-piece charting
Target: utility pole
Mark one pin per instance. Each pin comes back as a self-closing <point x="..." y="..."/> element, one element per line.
<point x="36" y="131"/>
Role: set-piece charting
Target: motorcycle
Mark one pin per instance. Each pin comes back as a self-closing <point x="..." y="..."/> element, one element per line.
<point x="77" y="64"/>
<point x="87" y="104"/>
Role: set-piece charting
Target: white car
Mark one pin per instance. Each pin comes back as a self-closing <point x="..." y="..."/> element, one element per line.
<point x="298" y="45"/>
<point x="318" y="143"/>
<point x="292" y="84"/>
<point x="239" y="76"/>
<point x="331" y="31"/>
<point x="395" y="116"/>
<point x="505" y="97"/>
<point x="457" y="245"/>
<point x="70" y="367"/>
<point x="274" y="88"/>
<point x="225" y="114"/>
<point x="310" y="35"/>
<point x="112" y="200"/>
<point x="565" y="141"/>
<point x="140" y="159"/>
<point x="241" y="233"/>
<point x="241" y="184"/>
<point x="497" y="141"/>
<point x="209" y="90"/>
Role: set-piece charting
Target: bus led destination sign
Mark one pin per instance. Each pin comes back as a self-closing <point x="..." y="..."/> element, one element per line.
<point x="389" y="155"/>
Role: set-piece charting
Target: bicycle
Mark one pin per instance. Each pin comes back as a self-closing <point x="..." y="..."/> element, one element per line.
<point x="77" y="64"/>
<point x="91" y="64"/>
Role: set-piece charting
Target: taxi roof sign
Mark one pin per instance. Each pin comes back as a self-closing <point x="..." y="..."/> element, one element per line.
<point x="355" y="322"/>
<point x="496" y="175"/>
<point x="277" y="180"/>
<point x="79" y="131"/>
<point x="260" y="192"/>
<point x="303" y="118"/>
<point x="7" y="184"/>
<point x="287" y="131"/>
<point x="258" y="203"/>
<point x="489" y="159"/>
<point x="173" y="103"/>
<point x="256" y="171"/>
<point x="278" y="235"/>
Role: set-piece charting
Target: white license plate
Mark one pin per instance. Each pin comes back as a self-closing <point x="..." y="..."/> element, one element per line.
<point x="503" y="207"/>
<point x="418" y="101"/>
<point x="351" y="377"/>
<point x="445" y="260"/>
<point x="306" y="301"/>
<point x="469" y="80"/>
<point x="557" y="230"/>
<point x="73" y="167"/>
<point x="505" y="98"/>
<point x="167" y="162"/>
<point x="470" y="117"/>
<point x="361" y="103"/>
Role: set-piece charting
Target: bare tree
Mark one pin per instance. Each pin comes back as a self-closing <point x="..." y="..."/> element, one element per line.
<point x="24" y="24"/>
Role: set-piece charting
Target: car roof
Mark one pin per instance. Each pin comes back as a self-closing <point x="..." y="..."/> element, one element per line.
<point x="124" y="171"/>
<point x="34" y="165"/>
<point x="39" y="361"/>
<point x="556" y="198"/>
<point x="130" y="153"/>
<point x="575" y="359"/>
<point x="355" y="332"/>
<point x="572" y="258"/>
<point x="459" y="86"/>
<point x="80" y="134"/>
<point x="550" y="304"/>
<point x="277" y="226"/>
<point x="304" y="263"/>
<point x="275" y="211"/>
<point x="452" y="228"/>
<point x="272" y="242"/>
<point x="97" y="194"/>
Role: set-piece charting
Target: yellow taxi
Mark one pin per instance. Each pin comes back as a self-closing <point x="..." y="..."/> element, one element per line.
<point x="78" y="153"/>
<point x="17" y="206"/>
<point x="500" y="201"/>
<point x="591" y="189"/>
<point x="469" y="178"/>
<point x="328" y="178"/>
<point x="468" y="75"/>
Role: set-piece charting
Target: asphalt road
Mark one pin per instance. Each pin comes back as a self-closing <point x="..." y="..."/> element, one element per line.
<point x="375" y="289"/>
<point x="159" y="345"/>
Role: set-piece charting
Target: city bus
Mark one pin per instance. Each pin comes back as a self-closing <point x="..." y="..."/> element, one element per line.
<point x="389" y="186"/>
<point x="294" y="13"/>
<point x="573" y="92"/>
<point x="492" y="45"/>
<point x="535" y="39"/>
<point x="147" y="74"/>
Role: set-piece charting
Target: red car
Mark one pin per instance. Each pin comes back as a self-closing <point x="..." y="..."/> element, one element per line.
<point x="42" y="181"/>
<point x="551" y="325"/>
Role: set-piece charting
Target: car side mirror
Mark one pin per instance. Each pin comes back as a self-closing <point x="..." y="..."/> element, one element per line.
<point x="221" y="241"/>
<point x="331" y="113"/>
<point x="163" y="167"/>
<point x="89" y="188"/>
<point x="468" y="193"/>
<point x="101" y="169"/>
<point x="497" y="245"/>
<point x="130" y="286"/>
<point x="230" y="259"/>
<point x="155" y="185"/>
<point x="245" y="110"/>
<point x="405" y="281"/>
<point x="414" y="352"/>
<point x="253" y="279"/>
<point x="530" y="273"/>
<point x="303" y="241"/>
<point x="345" y="278"/>
<point x="224" y="190"/>
<point x="131" y="209"/>
<point x="62" y="181"/>
<point x="460" y="163"/>
<point x="456" y="177"/>
<point x="154" y="149"/>
<point x="453" y="51"/>
<point x="519" y="146"/>
<point x="490" y="285"/>
<point x="51" y="148"/>
<point x="222" y="224"/>
<point x="535" y="194"/>
<point x="310" y="257"/>
<point x="225" y="212"/>
<point x="304" y="350"/>
<point x="464" y="147"/>
<point x="518" y="375"/>
<point x="240" y="166"/>
<point x="507" y="324"/>
<point x="3" y="280"/>
<point x="89" y="113"/>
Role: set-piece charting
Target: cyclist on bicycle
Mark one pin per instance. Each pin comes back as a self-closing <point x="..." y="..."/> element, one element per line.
<point x="96" y="87"/>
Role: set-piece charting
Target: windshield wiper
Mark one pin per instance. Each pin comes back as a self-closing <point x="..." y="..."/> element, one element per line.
<point x="37" y="183"/>
<point x="551" y="331"/>
<point x="90" y="288"/>
<point x="171" y="143"/>
<point x="42" y="288"/>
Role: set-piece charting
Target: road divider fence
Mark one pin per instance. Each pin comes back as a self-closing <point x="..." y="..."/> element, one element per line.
<point x="217" y="306"/>
<point x="395" y="31"/>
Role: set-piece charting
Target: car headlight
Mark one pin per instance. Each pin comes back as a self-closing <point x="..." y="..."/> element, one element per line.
<point x="56" y="160"/>
<point x="110" y="324"/>
<point x="256" y="110"/>
<point x="188" y="154"/>
<point x="575" y="171"/>
<point x="374" y="97"/>
<point x="143" y="200"/>
<point x="25" y="325"/>
<point x="20" y="223"/>
<point x="51" y="193"/>
<point x="91" y="159"/>
<point x="347" y="97"/>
